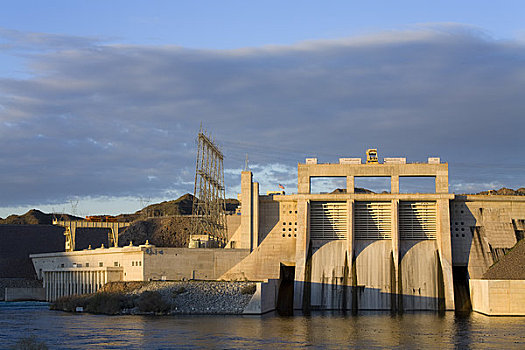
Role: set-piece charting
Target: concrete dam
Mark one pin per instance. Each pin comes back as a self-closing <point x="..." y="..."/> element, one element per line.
<point x="342" y="251"/>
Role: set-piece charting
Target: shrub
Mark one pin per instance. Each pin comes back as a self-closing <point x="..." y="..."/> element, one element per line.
<point x="105" y="303"/>
<point x="178" y="291"/>
<point x="70" y="303"/>
<point x="152" y="302"/>
<point x="249" y="289"/>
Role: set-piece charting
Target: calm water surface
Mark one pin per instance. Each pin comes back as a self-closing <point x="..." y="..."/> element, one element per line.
<point x="60" y="330"/>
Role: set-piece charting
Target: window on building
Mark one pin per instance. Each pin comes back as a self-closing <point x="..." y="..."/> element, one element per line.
<point x="100" y="264"/>
<point x="115" y="263"/>
<point x="327" y="184"/>
<point x="417" y="184"/>
<point x="87" y="264"/>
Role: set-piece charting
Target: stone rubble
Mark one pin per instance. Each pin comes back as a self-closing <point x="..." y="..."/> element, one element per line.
<point x="200" y="297"/>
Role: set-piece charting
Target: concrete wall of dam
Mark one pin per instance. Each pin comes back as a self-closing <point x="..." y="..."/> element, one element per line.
<point x="393" y="272"/>
<point x="402" y="265"/>
<point x="483" y="228"/>
<point x="343" y="250"/>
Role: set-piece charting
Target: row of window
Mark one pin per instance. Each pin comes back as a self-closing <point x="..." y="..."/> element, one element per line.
<point x="290" y="235"/>
<point x="101" y="264"/>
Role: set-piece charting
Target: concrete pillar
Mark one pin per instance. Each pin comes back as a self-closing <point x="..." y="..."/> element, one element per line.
<point x="350" y="184"/>
<point x="442" y="181"/>
<point x="301" y="250"/>
<point x="46" y="284"/>
<point x="445" y="250"/>
<point x="350" y="248"/>
<point x="395" y="285"/>
<point x="114" y="232"/>
<point x="303" y="180"/>
<point x="75" y="278"/>
<point x="50" y="287"/>
<point x="62" y="283"/>
<point x="394" y="184"/>
<point x="255" y="215"/>
<point x="59" y="284"/>
<point x="54" y="276"/>
<point x="246" y="210"/>
<point x="73" y="230"/>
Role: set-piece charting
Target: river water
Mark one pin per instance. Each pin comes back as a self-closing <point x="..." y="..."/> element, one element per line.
<point x="323" y="330"/>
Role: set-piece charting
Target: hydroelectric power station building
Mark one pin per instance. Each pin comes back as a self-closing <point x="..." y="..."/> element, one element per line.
<point x="359" y="251"/>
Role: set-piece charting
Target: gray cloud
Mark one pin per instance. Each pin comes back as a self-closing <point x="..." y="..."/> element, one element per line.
<point x="100" y="119"/>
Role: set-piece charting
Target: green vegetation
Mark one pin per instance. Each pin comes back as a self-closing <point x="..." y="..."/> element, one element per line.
<point x="178" y="291"/>
<point x="152" y="302"/>
<point x="97" y="303"/>
<point x="112" y="303"/>
<point x="249" y="289"/>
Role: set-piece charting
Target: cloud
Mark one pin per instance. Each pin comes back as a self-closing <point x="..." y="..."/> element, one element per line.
<point x="102" y="119"/>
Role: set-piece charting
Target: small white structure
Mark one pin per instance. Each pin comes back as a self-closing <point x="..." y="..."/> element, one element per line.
<point x="349" y="160"/>
<point x="311" y="160"/>
<point x="397" y="160"/>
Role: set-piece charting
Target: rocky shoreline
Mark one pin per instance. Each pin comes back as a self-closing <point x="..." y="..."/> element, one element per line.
<point x="163" y="298"/>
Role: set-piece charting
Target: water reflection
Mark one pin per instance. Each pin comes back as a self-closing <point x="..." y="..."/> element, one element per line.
<point x="332" y="330"/>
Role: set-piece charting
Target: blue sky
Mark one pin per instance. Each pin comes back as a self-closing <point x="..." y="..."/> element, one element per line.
<point x="100" y="101"/>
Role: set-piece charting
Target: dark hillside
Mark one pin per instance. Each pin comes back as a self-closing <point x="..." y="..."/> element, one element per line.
<point x="35" y="217"/>
<point x="18" y="241"/>
<point x="180" y="206"/>
<point x="171" y="231"/>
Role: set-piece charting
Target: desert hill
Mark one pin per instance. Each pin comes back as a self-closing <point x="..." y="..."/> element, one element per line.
<point x="356" y="190"/>
<point x="35" y="217"/>
<point x="505" y="192"/>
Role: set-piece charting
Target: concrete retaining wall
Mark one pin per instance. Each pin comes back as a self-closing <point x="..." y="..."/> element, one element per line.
<point x="185" y="264"/>
<point x="498" y="297"/>
<point x="265" y="298"/>
<point x="20" y="294"/>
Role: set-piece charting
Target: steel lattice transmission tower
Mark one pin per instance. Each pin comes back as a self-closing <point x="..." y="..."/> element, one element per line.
<point x="209" y="204"/>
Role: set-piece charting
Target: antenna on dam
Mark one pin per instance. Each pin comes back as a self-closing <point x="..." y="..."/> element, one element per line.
<point x="209" y="211"/>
